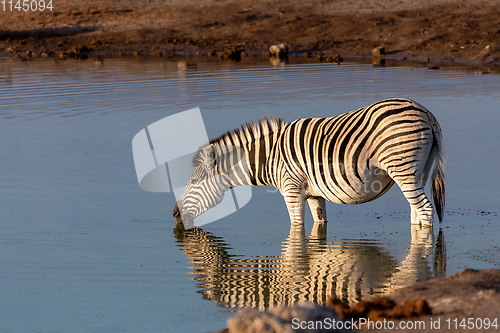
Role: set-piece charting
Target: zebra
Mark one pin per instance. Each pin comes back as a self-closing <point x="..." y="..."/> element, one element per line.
<point x="352" y="158"/>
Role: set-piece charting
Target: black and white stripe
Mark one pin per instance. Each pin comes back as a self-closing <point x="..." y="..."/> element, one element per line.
<point x="310" y="270"/>
<point x="349" y="159"/>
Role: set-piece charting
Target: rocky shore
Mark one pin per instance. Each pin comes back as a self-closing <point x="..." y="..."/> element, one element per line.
<point x="439" y="305"/>
<point x="456" y="30"/>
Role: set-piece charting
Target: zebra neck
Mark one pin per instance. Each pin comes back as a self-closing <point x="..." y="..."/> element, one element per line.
<point x="247" y="159"/>
<point x="260" y="154"/>
<point x="232" y="163"/>
<point x="246" y="164"/>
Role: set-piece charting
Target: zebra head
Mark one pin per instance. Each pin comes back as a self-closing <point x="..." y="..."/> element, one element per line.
<point x="204" y="190"/>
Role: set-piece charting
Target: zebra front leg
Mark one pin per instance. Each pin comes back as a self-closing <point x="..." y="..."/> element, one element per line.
<point x="318" y="211"/>
<point x="295" y="203"/>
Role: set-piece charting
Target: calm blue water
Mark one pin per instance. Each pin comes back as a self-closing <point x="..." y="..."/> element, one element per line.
<point x="84" y="249"/>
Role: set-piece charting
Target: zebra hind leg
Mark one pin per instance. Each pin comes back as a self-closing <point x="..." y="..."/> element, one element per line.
<point x="421" y="207"/>
<point x="423" y="180"/>
<point x="318" y="211"/>
<point x="411" y="180"/>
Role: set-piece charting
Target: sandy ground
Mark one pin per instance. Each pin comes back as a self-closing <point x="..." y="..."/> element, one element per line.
<point x="437" y="29"/>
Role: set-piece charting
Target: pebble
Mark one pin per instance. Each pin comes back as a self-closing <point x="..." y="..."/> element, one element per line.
<point x="279" y="319"/>
<point x="232" y="54"/>
<point x="378" y="51"/>
<point x="279" y="50"/>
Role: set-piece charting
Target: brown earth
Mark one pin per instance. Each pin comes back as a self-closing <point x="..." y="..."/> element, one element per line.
<point x="442" y="305"/>
<point x="468" y="301"/>
<point x="473" y="294"/>
<point x="448" y="30"/>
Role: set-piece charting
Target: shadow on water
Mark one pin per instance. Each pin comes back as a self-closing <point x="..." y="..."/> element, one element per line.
<point x="308" y="268"/>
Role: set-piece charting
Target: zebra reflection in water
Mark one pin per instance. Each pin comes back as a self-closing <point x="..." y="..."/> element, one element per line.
<point x="308" y="268"/>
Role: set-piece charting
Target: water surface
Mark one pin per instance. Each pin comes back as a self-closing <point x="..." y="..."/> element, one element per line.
<point x="84" y="249"/>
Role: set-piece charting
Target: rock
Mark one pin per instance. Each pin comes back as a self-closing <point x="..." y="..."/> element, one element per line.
<point x="336" y="58"/>
<point x="74" y="55"/>
<point x="279" y="50"/>
<point x="79" y="52"/>
<point x="378" y="51"/>
<point x="380" y="308"/>
<point x="80" y="49"/>
<point x="285" y="319"/>
<point x="95" y="42"/>
<point x="468" y="293"/>
<point x="232" y="54"/>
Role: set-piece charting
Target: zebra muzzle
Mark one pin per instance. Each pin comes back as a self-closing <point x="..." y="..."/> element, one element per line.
<point x="177" y="214"/>
<point x="185" y="219"/>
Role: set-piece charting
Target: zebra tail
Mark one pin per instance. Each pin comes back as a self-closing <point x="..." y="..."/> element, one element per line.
<point x="438" y="180"/>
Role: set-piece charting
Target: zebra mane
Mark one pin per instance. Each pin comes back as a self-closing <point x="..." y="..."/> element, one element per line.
<point x="239" y="137"/>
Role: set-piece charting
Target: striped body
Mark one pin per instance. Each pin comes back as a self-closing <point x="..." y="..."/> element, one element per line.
<point x="349" y="159"/>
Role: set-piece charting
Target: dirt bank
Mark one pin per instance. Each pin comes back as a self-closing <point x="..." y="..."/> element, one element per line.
<point x="468" y="301"/>
<point x="455" y="299"/>
<point x="449" y="30"/>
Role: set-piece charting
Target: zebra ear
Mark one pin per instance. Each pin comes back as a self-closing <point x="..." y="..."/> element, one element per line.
<point x="209" y="156"/>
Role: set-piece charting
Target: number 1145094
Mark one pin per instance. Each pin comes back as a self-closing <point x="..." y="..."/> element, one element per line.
<point x="472" y="323"/>
<point x="26" y="5"/>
